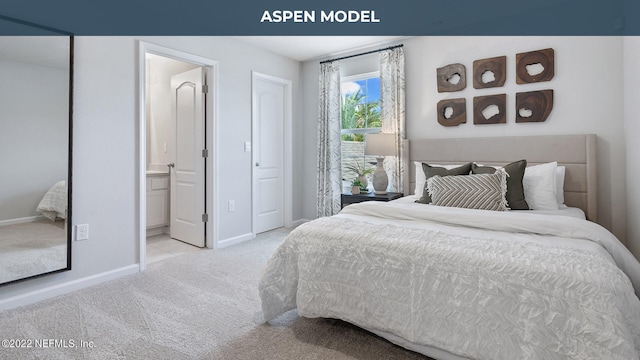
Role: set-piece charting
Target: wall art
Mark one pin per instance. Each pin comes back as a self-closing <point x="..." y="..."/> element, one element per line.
<point x="490" y="109"/>
<point x="451" y="78"/>
<point x="535" y="66"/>
<point x="452" y="112"/>
<point x="533" y="106"/>
<point x="489" y="73"/>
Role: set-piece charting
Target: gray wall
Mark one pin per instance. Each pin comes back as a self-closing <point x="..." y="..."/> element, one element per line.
<point x="631" y="133"/>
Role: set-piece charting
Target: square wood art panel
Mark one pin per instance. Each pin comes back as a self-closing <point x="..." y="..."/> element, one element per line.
<point x="489" y="73"/>
<point x="452" y="112"/>
<point x="490" y="109"/>
<point x="452" y="77"/>
<point x="533" y="106"/>
<point x="535" y="66"/>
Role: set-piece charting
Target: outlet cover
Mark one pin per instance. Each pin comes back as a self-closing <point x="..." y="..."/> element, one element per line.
<point x="82" y="232"/>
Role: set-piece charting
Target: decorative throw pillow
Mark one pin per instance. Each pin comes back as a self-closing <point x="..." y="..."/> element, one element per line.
<point x="430" y="171"/>
<point x="421" y="179"/>
<point x="539" y="183"/>
<point x="515" y="190"/>
<point x="481" y="191"/>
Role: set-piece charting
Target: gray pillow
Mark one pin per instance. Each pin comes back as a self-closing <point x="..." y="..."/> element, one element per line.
<point x="482" y="191"/>
<point x="515" y="190"/>
<point x="430" y="171"/>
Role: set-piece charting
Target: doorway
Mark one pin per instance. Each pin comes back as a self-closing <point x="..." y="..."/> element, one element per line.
<point x="177" y="155"/>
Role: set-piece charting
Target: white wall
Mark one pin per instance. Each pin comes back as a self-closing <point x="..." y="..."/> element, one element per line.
<point x="632" y="132"/>
<point x="588" y="98"/>
<point x="105" y="164"/>
<point x="34" y="130"/>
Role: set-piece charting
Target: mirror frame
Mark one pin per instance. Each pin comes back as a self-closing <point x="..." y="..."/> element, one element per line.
<point x="45" y="30"/>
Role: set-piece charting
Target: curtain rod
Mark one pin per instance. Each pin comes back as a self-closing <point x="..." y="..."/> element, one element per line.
<point x="364" y="53"/>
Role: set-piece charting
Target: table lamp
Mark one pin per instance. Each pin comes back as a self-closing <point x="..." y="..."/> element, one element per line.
<point x="380" y="145"/>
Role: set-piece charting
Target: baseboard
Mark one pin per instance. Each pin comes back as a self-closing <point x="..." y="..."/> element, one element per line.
<point x="21" y="220"/>
<point x="157" y="231"/>
<point x="234" y="240"/>
<point x="67" y="287"/>
<point x="296" y="223"/>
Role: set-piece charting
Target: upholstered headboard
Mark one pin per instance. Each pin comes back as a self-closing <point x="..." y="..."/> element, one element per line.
<point x="576" y="152"/>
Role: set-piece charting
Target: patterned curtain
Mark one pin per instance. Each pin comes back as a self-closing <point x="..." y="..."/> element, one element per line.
<point x="329" y="168"/>
<point x="392" y="108"/>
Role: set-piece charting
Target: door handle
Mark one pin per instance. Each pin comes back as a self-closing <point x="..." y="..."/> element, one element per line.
<point x="257" y="164"/>
<point x="171" y="165"/>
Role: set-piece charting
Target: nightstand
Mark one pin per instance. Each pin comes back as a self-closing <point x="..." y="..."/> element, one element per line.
<point x="347" y="199"/>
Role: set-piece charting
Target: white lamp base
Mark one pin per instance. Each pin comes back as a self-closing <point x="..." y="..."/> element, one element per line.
<point x="380" y="178"/>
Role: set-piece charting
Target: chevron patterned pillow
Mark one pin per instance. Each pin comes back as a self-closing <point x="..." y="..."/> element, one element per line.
<point x="481" y="191"/>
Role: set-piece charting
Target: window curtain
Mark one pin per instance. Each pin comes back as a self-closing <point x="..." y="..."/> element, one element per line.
<point x="329" y="147"/>
<point x="392" y="110"/>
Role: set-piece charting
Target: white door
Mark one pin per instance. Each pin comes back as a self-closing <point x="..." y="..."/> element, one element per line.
<point x="187" y="175"/>
<point x="268" y="154"/>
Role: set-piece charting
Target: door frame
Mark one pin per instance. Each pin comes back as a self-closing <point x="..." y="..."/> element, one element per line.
<point x="211" y="138"/>
<point x="287" y="149"/>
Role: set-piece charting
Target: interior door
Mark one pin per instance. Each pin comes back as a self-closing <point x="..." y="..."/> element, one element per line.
<point x="268" y="138"/>
<point x="188" y="175"/>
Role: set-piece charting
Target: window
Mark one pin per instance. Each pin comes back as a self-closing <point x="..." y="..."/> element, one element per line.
<point x="360" y="115"/>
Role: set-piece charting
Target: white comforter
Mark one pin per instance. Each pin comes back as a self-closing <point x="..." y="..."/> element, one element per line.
<point x="479" y="284"/>
<point x="54" y="202"/>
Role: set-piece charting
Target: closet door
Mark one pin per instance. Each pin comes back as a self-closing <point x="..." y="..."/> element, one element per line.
<point x="268" y="114"/>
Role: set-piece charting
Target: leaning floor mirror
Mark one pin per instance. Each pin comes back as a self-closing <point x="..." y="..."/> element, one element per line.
<point x="36" y="73"/>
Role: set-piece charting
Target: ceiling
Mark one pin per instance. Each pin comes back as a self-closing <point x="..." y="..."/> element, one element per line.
<point x="304" y="48"/>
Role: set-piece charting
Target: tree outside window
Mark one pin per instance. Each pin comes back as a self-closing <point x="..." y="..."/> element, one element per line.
<point x="360" y="115"/>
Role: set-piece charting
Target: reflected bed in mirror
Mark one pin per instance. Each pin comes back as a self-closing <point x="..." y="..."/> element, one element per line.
<point x="35" y="133"/>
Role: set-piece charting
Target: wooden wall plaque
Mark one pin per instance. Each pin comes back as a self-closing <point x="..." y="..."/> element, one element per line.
<point x="544" y="58"/>
<point x="534" y="106"/>
<point x="459" y="114"/>
<point x="445" y="75"/>
<point x="496" y="65"/>
<point x="480" y="103"/>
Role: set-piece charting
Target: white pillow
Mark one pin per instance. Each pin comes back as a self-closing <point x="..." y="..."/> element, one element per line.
<point x="539" y="183"/>
<point x="421" y="179"/>
<point x="560" y="172"/>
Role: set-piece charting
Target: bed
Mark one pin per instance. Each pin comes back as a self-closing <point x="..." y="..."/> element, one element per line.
<point x="458" y="283"/>
<point x="54" y="202"/>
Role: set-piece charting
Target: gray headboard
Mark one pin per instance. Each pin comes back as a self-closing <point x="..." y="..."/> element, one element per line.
<point x="576" y="152"/>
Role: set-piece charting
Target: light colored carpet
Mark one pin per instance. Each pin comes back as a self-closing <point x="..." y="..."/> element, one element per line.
<point x="32" y="248"/>
<point x="200" y="305"/>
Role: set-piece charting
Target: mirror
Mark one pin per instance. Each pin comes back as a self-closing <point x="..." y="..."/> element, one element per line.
<point x="35" y="133"/>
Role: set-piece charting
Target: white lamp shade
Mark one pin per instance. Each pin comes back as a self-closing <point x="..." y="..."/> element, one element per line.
<point x="380" y="144"/>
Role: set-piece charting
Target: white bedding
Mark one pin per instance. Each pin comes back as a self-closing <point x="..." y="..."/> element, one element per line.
<point x="54" y="202"/>
<point x="478" y="284"/>
<point x="563" y="210"/>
